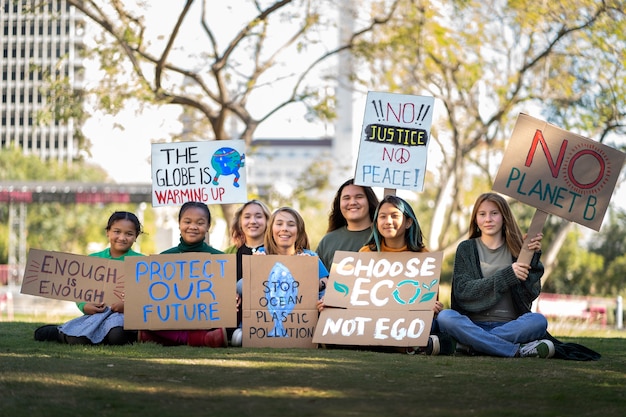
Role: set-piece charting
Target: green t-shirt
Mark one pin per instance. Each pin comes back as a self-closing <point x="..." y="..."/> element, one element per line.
<point x="341" y="239"/>
<point x="107" y="255"/>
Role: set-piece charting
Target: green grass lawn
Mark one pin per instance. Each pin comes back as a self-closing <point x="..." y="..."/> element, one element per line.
<point x="50" y="379"/>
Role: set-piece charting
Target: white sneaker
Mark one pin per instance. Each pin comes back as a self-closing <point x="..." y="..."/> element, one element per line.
<point x="433" y="347"/>
<point x="543" y="348"/>
<point x="236" y="338"/>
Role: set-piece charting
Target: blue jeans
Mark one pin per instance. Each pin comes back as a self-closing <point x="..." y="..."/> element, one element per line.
<point x="493" y="338"/>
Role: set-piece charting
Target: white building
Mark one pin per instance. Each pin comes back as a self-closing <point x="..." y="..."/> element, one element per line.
<point x="276" y="163"/>
<point x="40" y="41"/>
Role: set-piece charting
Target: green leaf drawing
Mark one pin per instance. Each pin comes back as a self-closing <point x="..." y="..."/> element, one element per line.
<point x="341" y="288"/>
<point x="427" y="296"/>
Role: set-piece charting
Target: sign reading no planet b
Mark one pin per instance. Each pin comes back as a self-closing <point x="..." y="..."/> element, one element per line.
<point x="193" y="290"/>
<point x="380" y="298"/>
<point x="394" y="141"/>
<point x="70" y="277"/>
<point x="559" y="172"/>
<point x="209" y="171"/>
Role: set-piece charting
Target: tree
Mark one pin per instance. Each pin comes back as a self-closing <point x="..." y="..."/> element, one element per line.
<point x="487" y="61"/>
<point x="575" y="269"/>
<point x="55" y="226"/>
<point x="484" y="62"/>
<point x="246" y="62"/>
<point x="610" y="244"/>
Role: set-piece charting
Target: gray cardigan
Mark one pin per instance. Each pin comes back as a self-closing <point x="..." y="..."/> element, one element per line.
<point x="471" y="292"/>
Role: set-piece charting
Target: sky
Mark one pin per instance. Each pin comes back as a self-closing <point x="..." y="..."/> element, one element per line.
<point x="121" y="144"/>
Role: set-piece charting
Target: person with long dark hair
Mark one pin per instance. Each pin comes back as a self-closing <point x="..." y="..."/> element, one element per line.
<point x="349" y="221"/>
<point x="396" y="229"/>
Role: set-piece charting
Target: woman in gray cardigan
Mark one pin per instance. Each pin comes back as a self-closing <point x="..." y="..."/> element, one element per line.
<point x="491" y="292"/>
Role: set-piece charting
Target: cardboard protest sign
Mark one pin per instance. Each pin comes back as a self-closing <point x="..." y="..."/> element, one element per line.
<point x="394" y="141"/>
<point x="78" y="278"/>
<point x="193" y="290"/>
<point x="210" y="172"/>
<point x="380" y="298"/>
<point x="280" y="294"/>
<point x="559" y="172"/>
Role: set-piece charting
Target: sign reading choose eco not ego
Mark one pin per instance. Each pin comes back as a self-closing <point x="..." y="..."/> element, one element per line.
<point x="559" y="172"/>
<point x="380" y="298"/>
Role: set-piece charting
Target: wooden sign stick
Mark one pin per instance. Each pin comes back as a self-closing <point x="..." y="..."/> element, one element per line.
<point x="389" y="191"/>
<point x="536" y="226"/>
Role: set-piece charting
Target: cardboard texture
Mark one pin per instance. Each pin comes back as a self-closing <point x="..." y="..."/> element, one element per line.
<point x="559" y="172"/>
<point x="393" y="149"/>
<point x="70" y="277"/>
<point x="192" y="290"/>
<point x="339" y="326"/>
<point x="380" y="298"/>
<point x="280" y="296"/>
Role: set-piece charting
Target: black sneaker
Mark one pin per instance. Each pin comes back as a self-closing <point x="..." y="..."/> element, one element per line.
<point x="463" y="349"/>
<point x="47" y="333"/>
<point x="447" y="344"/>
<point x="440" y="344"/>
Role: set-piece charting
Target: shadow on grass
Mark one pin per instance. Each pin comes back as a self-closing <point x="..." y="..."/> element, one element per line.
<point x="45" y="379"/>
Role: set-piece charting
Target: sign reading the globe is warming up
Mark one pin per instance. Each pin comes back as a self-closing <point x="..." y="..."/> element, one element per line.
<point x="559" y="172"/>
<point x="394" y="141"/>
<point x="211" y="172"/>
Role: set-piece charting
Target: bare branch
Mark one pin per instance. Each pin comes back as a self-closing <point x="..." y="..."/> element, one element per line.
<point x="161" y="62"/>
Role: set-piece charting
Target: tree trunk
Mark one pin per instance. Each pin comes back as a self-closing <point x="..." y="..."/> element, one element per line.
<point x="555" y="245"/>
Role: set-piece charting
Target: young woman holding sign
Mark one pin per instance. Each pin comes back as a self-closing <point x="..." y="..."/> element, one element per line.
<point x="247" y="233"/>
<point x="194" y="221"/>
<point x="349" y="222"/>
<point x="101" y="324"/>
<point x="286" y="235"/>
<point x="396" y="229"/>
<point x="492" y="292"/>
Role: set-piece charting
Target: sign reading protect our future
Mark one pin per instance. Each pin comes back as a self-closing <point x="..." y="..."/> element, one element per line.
<point x="380" y="299"/>
<point x="394" y="141"/>
<point x="192" y="290"/>
<point x="212" y="172"/>
<point x="559" y="172"/>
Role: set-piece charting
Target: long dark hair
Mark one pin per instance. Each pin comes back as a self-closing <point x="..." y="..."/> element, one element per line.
<point x="413" y="235"/>
<point x="336" y="219"/>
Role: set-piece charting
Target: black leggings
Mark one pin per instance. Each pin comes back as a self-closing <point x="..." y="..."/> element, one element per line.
<point x="116" y="336"/>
